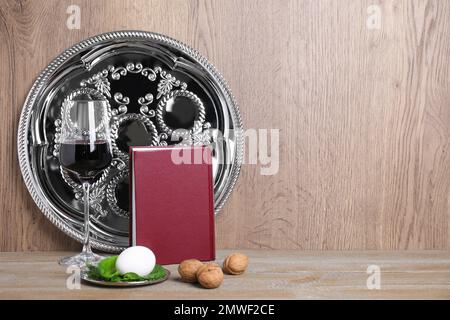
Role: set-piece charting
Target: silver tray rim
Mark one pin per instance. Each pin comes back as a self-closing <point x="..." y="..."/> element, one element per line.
<point x="24" y="122"/>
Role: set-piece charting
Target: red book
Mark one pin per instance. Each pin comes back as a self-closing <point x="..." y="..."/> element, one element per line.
<point x="172" y="210"/>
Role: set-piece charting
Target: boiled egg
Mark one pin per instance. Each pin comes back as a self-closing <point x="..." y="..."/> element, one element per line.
<point x="140" y="260"/>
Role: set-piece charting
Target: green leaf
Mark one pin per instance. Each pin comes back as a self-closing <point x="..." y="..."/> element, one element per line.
<point x="131" y="276"/>
<point x="93" y="272"/>
<point x="158" y="273"/>
<point x="115" y="278"/>
<point x="106" y="271"/>
<point x="107" y="268"/>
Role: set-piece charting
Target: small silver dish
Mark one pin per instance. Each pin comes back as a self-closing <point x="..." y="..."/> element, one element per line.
<point x="129" y="284"/>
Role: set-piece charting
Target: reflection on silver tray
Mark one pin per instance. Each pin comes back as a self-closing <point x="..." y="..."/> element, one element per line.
<point x="154" y="85"/>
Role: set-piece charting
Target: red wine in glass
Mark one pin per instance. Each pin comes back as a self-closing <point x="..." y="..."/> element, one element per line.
<point x="85" y="151"/>
<point x="85" y="158"/>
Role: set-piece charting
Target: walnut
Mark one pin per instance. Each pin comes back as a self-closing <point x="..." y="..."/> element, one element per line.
<point x="235" y="263"/>
<point x="188" y="270"/>
<point x="210" y="275"/>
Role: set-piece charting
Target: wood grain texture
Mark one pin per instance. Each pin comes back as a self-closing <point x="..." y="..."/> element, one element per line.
<point x="271" y="275"/>
<point x="364" y="114"/>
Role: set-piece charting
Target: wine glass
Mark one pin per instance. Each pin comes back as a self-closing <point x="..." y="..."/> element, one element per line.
<point x="85" y="150"/>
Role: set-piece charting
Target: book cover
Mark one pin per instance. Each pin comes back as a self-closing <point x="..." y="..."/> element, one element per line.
<point x="172" y="210"/>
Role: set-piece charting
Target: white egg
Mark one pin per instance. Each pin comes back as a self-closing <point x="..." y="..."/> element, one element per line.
<point x="138" y="259"/>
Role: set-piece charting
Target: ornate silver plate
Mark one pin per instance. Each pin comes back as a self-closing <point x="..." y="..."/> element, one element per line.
<point x="84" y="276"/>
<point x="160" y="92"/>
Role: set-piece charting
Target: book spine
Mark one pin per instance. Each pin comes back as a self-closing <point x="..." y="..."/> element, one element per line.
<point x="131" y="191"/>
<point x="211" y="203"/>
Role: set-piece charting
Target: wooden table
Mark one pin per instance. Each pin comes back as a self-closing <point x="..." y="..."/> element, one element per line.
<point x="271" y="275"/>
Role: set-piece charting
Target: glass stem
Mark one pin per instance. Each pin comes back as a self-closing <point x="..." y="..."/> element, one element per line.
<point x="86" y="242"/>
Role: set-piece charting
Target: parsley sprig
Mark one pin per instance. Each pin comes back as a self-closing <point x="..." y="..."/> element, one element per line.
<point x="106" y="270"/>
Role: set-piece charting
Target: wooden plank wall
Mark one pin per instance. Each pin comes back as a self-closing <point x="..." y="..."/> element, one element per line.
<point x="363" y="113"/>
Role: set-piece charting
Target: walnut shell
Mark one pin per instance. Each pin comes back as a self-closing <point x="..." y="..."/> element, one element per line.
<point x="207" y="265"/>
<point x="188" y="270"/>
<point x="210" y="275"/>
<point x="235" y="263"/>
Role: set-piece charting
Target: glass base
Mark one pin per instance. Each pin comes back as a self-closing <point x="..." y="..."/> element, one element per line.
<point x="81" y="260"/>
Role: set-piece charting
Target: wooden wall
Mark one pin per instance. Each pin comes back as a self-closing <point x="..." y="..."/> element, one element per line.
<point x="364" y="114"/>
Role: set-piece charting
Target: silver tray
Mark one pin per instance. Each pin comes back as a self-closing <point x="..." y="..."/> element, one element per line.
<point x="140" y="74"/>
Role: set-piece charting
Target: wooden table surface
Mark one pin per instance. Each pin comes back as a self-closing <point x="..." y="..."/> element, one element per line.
<point x="271" y="275"/>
